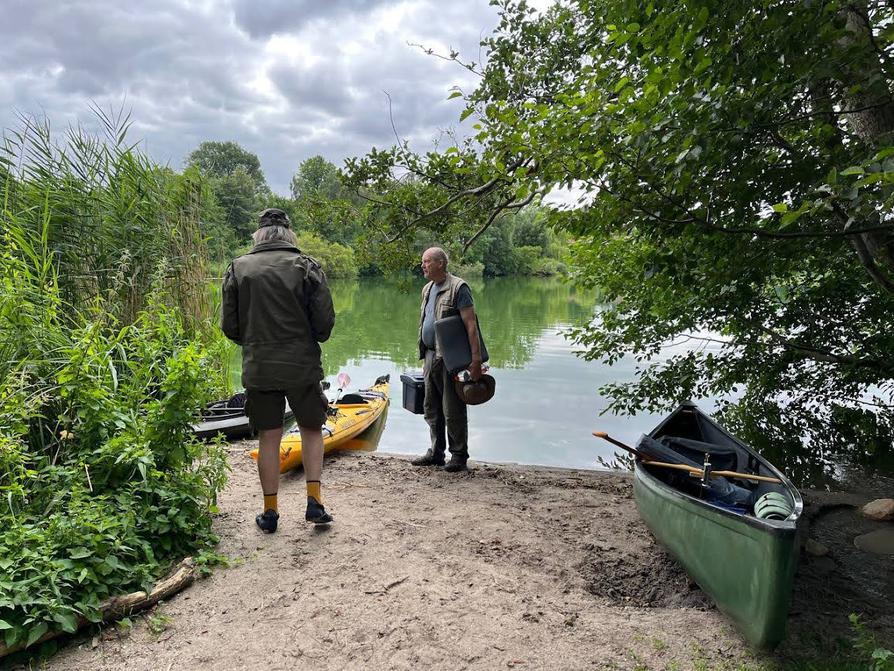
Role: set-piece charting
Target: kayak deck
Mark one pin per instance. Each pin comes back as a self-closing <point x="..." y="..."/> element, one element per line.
<point x="228" y="418"/>
<point x="345" y="421"/>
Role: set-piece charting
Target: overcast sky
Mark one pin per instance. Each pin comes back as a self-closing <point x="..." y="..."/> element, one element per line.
<point x="286" y="79"/>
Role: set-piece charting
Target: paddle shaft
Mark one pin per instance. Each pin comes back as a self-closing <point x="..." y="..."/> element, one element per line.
<point x="684" y="467"/>
<point x="605" y="436"/>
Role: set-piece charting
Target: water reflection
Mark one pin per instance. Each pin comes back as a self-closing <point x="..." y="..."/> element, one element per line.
<point x="377" y="319"/>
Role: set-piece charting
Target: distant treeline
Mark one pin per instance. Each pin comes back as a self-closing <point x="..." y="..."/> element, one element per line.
<point x="338" y="225"/>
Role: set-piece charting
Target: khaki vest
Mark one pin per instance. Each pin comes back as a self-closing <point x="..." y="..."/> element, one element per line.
<point x="444" y="307"/>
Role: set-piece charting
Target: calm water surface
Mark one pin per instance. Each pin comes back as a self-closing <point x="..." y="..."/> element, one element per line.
<point x="546" y="404"/>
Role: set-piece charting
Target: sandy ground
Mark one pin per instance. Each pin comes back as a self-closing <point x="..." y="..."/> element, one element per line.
<point x="501" y="567"/>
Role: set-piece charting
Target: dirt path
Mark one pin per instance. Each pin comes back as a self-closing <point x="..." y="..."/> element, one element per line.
<point x="503" y="567"/>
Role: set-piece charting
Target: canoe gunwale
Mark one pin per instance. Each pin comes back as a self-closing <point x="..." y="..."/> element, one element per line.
<point x="798" y="501"/>
<point x="784" y="527"/>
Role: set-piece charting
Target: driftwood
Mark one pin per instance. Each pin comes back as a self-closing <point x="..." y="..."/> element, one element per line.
<point x="121" y="606"/>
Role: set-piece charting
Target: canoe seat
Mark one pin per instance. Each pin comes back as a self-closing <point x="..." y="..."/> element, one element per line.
<point x="351" y="399"/>
<point x="723" y="458"/>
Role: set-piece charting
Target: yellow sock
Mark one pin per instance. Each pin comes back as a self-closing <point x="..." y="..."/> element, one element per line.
<point x="313" y="489"/>
<point x="270" y="502"/>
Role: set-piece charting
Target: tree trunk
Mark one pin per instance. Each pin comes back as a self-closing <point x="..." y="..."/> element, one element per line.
<point x="873" y="122"/>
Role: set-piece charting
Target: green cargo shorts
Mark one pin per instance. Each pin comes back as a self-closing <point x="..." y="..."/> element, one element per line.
<point x="265" y="408"/>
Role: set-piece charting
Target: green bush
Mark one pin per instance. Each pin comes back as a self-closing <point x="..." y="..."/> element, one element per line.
<point x="876" y="657"/>
<point x="464" y="270"/>
<point x="337" y="260"/>
<point x="102" y="486"/>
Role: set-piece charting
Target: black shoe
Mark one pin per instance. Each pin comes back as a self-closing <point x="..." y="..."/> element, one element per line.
<point x="429" y="459"/>
<point x="267" y="520"/>
<point x="456" y="465"/>
<point x="316" y="513"/>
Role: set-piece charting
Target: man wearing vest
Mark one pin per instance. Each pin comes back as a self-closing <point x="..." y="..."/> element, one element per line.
<point x="277" y="306"/>
<point x="444" y="295"/>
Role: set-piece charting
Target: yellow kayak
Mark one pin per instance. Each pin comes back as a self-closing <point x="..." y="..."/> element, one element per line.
<point x="348" y="418"/>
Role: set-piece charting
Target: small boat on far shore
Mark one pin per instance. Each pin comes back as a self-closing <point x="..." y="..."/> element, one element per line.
<point x="736" y="533"/>
<point x="228" y="419"/>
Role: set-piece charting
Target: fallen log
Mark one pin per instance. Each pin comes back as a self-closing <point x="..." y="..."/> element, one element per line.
<point x="181" y="577"/>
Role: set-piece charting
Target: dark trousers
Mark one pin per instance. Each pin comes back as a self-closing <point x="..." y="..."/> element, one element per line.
<point x="444" y="410"/>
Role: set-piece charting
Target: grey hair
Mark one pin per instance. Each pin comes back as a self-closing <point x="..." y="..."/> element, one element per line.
<point x="439" y="255"/>
<point x="274" y="234"/>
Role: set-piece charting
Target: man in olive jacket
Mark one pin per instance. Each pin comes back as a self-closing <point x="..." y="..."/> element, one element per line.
<point x="277" y="306"/>
<point x="445" y="294"/>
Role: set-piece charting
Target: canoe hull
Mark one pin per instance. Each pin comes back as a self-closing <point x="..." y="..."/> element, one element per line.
<point x="348" y="422"/>
<point x="745" y="564"/>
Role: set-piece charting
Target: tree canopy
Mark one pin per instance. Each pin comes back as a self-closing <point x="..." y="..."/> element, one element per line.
<point x="224" y="159"/>
<point x="736" y="164"/>
<point x="316" y="177"/>
<point x="239" y="187"/>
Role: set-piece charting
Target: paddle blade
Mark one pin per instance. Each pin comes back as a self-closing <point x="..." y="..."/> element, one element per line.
<point x="343" y="380"/>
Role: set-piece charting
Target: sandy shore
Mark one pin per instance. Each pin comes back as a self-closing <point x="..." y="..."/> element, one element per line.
<point x="501" y="567"/>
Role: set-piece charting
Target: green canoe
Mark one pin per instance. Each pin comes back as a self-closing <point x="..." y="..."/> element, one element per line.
<point x="745" y="564"/>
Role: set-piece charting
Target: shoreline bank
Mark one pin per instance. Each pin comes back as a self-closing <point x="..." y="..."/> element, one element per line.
<point x="505" y="566"/>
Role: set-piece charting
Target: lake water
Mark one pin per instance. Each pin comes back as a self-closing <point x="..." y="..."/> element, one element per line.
<point x="546" y="404"/>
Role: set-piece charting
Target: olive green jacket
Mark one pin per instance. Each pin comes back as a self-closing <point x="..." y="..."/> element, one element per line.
<point x="444" y="307"/>
<point x="277" y="306"/>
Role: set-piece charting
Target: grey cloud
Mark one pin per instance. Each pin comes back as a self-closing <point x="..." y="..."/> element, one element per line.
<point x="195" y="71"/>
<point x="324" y="88"/>
<point x="263" y="19"/>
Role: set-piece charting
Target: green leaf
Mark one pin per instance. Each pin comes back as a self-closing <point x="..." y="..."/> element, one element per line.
<point x="68" y="622"/>
<point x="853" y="170"/>
<point x="780" y="207"/>
<point x="621" y="83"/>
<point x="5" y="625"/>
<point x="35" y="633"/>
<point x="80" y="553"/>
<point x="703" y="65"/>
<point x="466" y="113"/>
<point x="455" y="94"/>
<point x="789" y="218"/>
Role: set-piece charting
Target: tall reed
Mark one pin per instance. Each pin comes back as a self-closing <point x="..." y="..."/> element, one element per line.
<point x="114" y="220"/>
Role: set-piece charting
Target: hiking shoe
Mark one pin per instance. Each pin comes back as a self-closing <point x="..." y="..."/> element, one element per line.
<point x="429" y="459"/>
<point x="267" y="521"/>
<point x="316" y="513"/>
<point x="456" y="465"/>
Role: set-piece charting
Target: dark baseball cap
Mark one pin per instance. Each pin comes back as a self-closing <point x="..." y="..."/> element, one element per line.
<point x="273" y="216"/>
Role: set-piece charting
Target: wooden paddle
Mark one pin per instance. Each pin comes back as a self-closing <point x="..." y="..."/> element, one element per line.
<point x="683" y="467"/>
